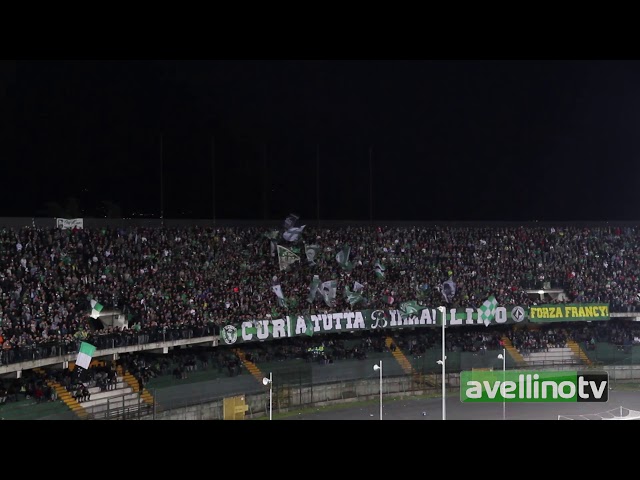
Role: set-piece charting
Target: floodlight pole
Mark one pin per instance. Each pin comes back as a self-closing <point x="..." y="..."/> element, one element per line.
<point x="444" y="384"/>
<point x="270" y="396"/>
<point x="380" y="389"/>
<point x="504" y="374"/>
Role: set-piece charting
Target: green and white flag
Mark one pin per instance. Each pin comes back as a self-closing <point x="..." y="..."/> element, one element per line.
<point x="342" y="258"/>
<point x="286" y="257"/>
<point x="313" y="288"/>
<point x="487" y="310"/>
<point x="410" y="308"/>
<point x="96" y="308"/>
<point x="85" y="354"/>
<point x="379" y="269"/>
<point x="352" y="297"/>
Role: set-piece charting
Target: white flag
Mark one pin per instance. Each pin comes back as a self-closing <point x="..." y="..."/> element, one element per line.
<point x="277" y="289"/>
<point x="293" y="234"/>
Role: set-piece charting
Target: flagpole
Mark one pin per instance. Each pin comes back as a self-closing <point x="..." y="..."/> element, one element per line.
<point x="213" y="179"/>
<point x="318" y="183"/>
<point x="370" y="187"/>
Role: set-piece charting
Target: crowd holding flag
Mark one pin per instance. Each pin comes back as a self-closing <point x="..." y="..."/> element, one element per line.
<point x="352" y="297"/>
<point x="311" y="251"/>
<point x="410" y="308"/>
<point x="328" y="291"/>
<point x="342" y="257"/>
<point x="448" y="290"/>
<point x="379" y="269"/>
<point x="292" y="232"/>
<point x="272" y="236"/>
<point x="291" y="221"/>
<point x="313" y="288"/>
<point x="277" y="289"/>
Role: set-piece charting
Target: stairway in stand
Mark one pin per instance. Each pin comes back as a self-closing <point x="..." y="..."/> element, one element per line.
<point x="515" y="354"/>
<point x="578" y="351"/>
<point x="420" y="379"/>
<point x="132" y="382"/>
<point x="253" y="369"/>
<point x="65" y="396"/>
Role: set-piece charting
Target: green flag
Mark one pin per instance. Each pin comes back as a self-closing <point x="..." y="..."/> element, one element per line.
<point x="410" y="308"/>
<point x="309" y="323"/>
<point x="352" y="297"/>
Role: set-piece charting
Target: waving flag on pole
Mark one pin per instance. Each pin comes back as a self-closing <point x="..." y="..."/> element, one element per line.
<point x="85" y="354"/>
<point x="410" y="308"/>
<point x="342" y="258"/>
<point x="293" y="234"/>
<point x="448" y="290"/>
<point x="313" y="288"/>
<point x="312" y="253"/>
<point x="291" y="221"/>
<point x="328" y="291"/>
<point x="286" y="257"/>
<point x="96" y="308"/>
<point x="352" y="297"/>
<point x="487" y="310"/>
<point x="379" y="269"/>
<point x="277" y="289"/>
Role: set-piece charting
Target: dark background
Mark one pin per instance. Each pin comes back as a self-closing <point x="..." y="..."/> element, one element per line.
<point x="441" y="140"/>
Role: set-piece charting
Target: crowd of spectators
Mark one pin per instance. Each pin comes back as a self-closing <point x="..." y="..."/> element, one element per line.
<point x="183" y="282"/>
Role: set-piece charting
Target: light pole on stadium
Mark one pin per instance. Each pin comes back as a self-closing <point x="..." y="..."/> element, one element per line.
<point x="442" y="362"/>
<point x="377" y="367"/>
<point x="503" y="356"/>
<point x="269" y="381"/>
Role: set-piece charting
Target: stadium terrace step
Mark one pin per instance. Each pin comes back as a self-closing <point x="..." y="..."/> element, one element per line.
<point x="251" y="367"/>
<point x="578" y="351"/>
<point x="418" y="377"/>
<point x="114" y="406"/>
<point x="553" y="356"/>
<point x="132" y="382"/>
<point x="68" y="399"/>
<point x="515" y="354"/>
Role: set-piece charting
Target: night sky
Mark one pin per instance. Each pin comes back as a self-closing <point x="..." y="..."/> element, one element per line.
<point x="446" y="140"/>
